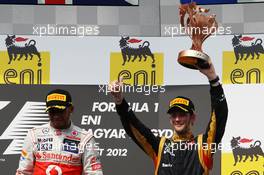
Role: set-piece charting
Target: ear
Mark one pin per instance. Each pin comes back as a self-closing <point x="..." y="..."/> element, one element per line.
<point x="71" y="109"/>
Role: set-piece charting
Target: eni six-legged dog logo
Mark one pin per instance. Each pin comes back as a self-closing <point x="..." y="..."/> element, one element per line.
<point x="244" y="63"/>
<point x="16" y="52"/>
<point x="136" y="62"/>
<point x="242" y="154"/>
<point x="242" y="51"/>
<point x="139" y="52"/>
<point x="22" y="62"/>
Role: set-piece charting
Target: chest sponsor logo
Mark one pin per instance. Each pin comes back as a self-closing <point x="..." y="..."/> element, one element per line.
<point x="56" y="156"/>
<point x="44" y="144"/>
<point x="43" y="140"/>
<point x="53" y="169"/>
<point x="166" y="165"/>
<point x="71" y="146"/>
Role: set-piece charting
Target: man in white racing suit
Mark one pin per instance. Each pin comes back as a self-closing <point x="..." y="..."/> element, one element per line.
<point x="59" y="147"/>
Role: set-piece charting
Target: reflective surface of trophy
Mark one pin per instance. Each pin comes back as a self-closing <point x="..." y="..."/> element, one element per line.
<point x="198" y="26"/>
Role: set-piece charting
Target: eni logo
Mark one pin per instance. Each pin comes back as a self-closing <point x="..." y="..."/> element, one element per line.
<point x="136" y="63"/>
<point x="23" y="63"/>
<point x="246" y="157"/>
<point x="245" y="64"/>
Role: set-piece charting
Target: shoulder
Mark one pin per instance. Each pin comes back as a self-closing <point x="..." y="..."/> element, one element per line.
<point x="82" y="133"/>
<point x="42" y="128"/>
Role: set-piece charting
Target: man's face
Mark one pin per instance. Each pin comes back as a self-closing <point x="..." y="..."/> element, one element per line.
<point x="60" y="119"/>
<point x="181" y="121"/>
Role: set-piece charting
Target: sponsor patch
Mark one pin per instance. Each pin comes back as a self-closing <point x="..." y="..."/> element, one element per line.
<point x="43" y="140"/>
<point x="73" y="137"/>
<point x="96" y="166"/>
<point x="44" y="146"/>
<point x="61" y="157"/>
<point x="74" y="133"/>
<point x="57" y="97"/>
<point x="94" y="160"/>
<point x="71" y="146"/>
<point x="179" y="101"/>
<point x="45" y="130"/>
<point x="24" y="155"/>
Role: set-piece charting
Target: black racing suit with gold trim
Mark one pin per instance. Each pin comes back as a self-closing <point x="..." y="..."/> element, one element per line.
<point x="191" y="157"/>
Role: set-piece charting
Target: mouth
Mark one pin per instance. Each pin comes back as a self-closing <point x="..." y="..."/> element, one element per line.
<point x="178" y="124"/>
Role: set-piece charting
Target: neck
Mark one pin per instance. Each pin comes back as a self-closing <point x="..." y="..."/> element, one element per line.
<point x="182" y="137"/>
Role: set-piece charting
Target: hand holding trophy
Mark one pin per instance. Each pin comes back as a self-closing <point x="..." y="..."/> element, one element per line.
<point x="199" y="27"/>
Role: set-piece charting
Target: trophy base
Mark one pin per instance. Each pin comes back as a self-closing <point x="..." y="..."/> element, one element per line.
<point x="193" y="59"/>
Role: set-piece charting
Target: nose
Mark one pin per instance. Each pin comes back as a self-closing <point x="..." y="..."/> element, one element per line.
<point x="176" y="117"/>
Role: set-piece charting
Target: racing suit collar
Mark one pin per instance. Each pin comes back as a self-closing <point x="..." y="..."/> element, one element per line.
<point x="186" y="137"/>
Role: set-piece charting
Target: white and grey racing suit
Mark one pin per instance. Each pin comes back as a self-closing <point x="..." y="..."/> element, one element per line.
<point x="49" y="151"/>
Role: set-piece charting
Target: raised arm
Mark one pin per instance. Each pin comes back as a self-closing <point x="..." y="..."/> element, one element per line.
<point x="140" y="134"/>
<point x="216" y="126"/>
<point x="219" y="111"/>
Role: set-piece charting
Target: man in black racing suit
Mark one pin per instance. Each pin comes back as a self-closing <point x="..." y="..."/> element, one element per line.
<point x="183" y="154"/>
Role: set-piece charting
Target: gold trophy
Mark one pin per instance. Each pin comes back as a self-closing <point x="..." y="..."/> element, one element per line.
<point x="199" y="27"/>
